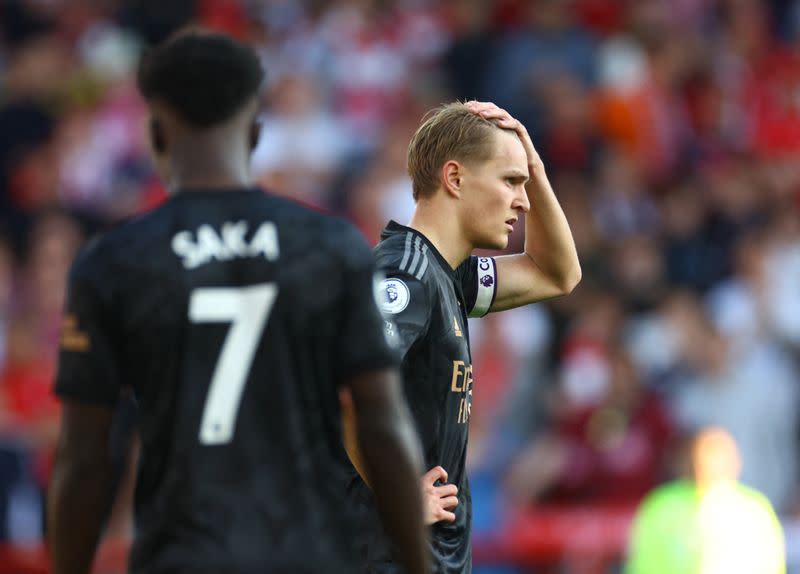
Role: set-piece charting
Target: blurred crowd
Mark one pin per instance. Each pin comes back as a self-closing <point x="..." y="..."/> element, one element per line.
<point x="670" y="130"/>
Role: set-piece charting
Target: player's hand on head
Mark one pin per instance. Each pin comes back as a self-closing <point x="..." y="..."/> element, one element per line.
<point x="439" y="500"/>
<point x="503" y="119"/>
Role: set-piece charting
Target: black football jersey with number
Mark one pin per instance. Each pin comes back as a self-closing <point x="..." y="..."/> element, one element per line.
<point x="232" y="316"/>
<point x="428" y="303"/>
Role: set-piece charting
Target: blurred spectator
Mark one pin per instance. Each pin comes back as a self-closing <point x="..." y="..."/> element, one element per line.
<point x="302" y="144"/>
<point x="751" y="392"/>
<point x="639" y="272"/>
<point x="509" y="353"/>
<point x="736" y="305"/>
<point x="567" y="138"/>
<point x="707" y="523"/>
<point x="7" y="277"/>
<point x="33" y="331"/>
<point x="154" y="20"/>
<point x="375" y="48"/>
<point x="608" y="451"/>
<point x="649" y="119"/>
<point x="383" y="191"/>
<point x="548" y="45"/>
<point x="693" y="260"/>
<point x="29" y="325"/>
<point x="782" y="281"/>
<point x="25" y="146"/>
<point x="621" y="205"/>
<point x="576" y="200"/>
<point x="467" y="58"/>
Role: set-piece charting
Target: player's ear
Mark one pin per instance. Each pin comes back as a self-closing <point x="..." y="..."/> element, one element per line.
<point x="255" y="133"/>
<point x="452" y="175"/>
<point x="158" y="138"/>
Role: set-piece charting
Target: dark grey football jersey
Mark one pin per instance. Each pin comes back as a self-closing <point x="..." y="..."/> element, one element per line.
<point x="233" y="316"/>
<point x="427" y="303"/>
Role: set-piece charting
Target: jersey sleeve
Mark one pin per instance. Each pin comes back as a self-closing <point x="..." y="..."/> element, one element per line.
<point x="406" y="304"/>
<point x="87" y="364"/>
<point x="363" y="341"/>
<point x="478" y="277"/>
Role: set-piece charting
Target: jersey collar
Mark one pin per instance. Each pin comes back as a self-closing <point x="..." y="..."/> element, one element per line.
<point x="393" y="228"/>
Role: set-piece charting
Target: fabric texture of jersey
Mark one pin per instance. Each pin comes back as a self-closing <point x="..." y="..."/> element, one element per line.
<point x="428" y="304"/>
<point x="232" y="316"/>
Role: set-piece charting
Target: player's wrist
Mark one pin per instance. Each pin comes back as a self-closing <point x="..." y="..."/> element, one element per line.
<point x="538" y="181"/>
<point x="536" y="169"/>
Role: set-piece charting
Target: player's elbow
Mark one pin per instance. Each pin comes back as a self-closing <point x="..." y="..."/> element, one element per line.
<point x="571" y="279"/>
<point x="566" y="281"/>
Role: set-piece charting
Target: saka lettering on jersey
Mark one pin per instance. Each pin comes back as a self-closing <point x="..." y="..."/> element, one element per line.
<point x="462" y="383"/>
<point x="229" y="242"/>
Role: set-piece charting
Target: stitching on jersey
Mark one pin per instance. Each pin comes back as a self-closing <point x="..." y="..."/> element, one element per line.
<point x="407" y="252"/>
<point x="424" y="265"/>
<point x="415" y="260"/>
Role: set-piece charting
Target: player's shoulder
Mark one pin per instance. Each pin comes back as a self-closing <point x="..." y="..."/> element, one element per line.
<point x="404" y="253"/>
<point x="126" y="236"/>
<point x="100" y="250"/>
<point x="288" y="210"/>
<point x="334" y="236"/>
<point x="316" y="221"/>
<point x="91" y="260"/>
<point x="334" y="231"/>
<point x="403" y="258"/>
<point x="123" y="243"/>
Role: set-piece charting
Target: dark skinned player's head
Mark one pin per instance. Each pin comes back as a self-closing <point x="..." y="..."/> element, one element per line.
<point x="202" y="89"/>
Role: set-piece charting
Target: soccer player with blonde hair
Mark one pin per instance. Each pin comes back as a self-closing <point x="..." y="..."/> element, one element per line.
<point x="475" y="173"/>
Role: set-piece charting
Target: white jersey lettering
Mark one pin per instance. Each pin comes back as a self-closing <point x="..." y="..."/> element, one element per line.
<point x="209" y="244"/>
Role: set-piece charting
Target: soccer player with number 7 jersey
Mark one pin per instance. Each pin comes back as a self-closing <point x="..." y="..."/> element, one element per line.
<point x="234" y="317"/>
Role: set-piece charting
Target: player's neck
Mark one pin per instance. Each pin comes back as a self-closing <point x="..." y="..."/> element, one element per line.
<point x="443" y="232"/>
<point x="210" y="172"/>
<point x="210" y="182"/>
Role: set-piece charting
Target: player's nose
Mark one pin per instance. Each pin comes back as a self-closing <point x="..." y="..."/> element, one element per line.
<point x="521" y="201"/>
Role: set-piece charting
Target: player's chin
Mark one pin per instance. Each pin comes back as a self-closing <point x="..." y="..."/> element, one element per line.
<point x="499" y="241"/>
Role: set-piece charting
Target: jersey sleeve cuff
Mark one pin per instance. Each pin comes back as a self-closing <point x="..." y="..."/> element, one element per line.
<point x="487" y="287"/>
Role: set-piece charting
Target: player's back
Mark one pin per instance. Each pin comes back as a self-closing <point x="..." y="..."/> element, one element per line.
<point x="227" y="311"/>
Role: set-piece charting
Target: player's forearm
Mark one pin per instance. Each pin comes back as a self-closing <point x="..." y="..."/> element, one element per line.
<point x="392" y="461"/>
<point x="79" y="500"/>
<point x="350" y="435"/>
<point x="548" y="238"/>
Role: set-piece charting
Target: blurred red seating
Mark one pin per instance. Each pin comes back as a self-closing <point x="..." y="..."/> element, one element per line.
<point x="544" y="534"/>
<point x="112" y="559"/>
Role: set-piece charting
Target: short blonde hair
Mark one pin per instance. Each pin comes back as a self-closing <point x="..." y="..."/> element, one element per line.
<point x="449" y="132"/>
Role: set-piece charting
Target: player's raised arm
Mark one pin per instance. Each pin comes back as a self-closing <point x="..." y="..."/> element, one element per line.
<point x="549" y="266"/>
<point x="392" y="458"/>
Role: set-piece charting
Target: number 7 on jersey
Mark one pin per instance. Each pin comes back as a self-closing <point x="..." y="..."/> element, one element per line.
<point x="247" y="309"/>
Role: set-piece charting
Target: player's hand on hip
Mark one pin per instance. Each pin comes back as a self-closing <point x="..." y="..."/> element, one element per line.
<point x="504" y="120"/>
<point x="439" y="500"/>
